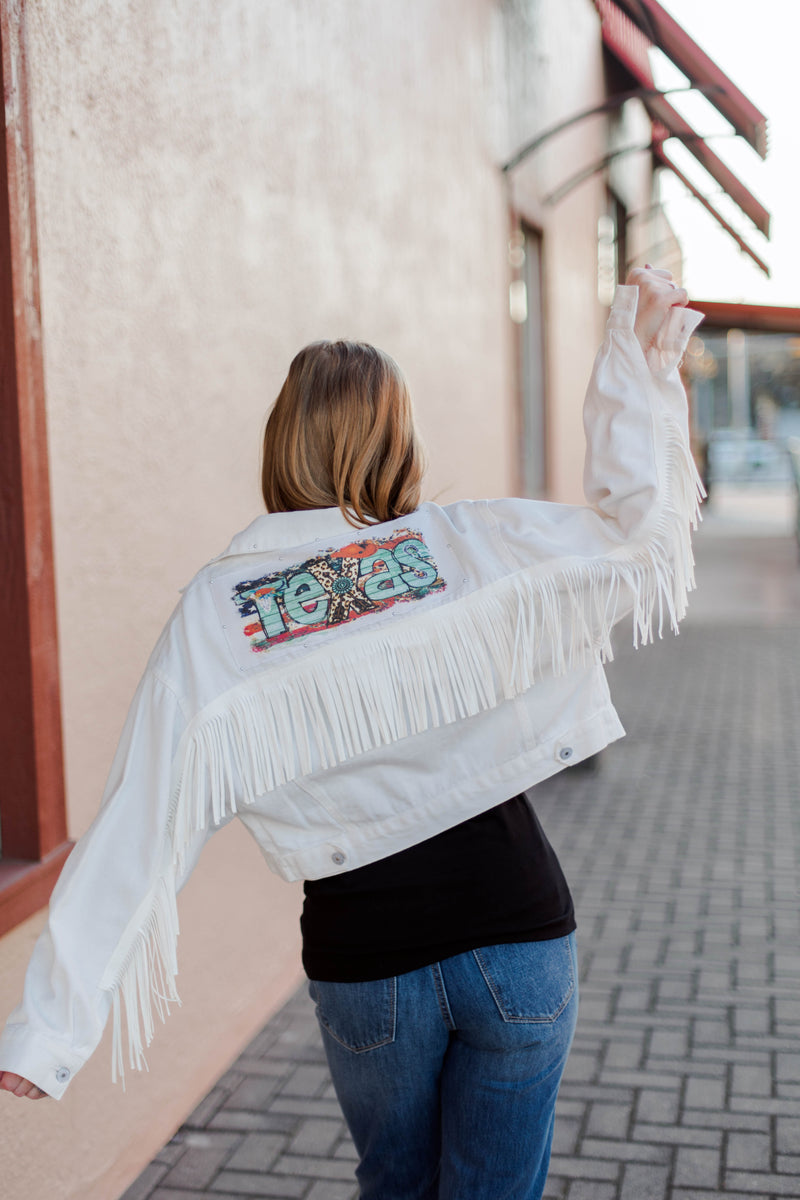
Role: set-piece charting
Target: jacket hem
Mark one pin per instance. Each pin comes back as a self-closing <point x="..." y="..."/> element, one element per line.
<point x="373" y="841"/>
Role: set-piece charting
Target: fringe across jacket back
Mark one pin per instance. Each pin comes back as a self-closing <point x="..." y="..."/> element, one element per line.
<point x="347" y="693"/>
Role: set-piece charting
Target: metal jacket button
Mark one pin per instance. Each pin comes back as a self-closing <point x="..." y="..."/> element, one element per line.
<point x="62" y="1074"/>
<point x="338" y="858"/>
<point x="565" y="753"/>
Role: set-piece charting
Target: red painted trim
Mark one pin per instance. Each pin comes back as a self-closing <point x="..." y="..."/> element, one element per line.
<point x="628" y="44"/>
<point x="663" y="159"/>
<point x="625" y="41"/>
<point x="25" y="887"/>
<point x="679" y="127"/>
<point x="665" y="32"/>
<point x="764" y="318"/>
<point x="32" y="802"/>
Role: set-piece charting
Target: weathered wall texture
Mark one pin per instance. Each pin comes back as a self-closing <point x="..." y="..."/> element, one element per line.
<point x="218" y="184"/>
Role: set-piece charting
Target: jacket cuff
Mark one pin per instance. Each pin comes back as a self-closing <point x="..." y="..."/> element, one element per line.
<point x="623" y="306"/>
<point x="669" y="344"/>
<point x="623" y="313"/>
<point x="46" y="1062"/>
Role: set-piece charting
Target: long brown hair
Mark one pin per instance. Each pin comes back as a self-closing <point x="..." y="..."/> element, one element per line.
<point x="342" y="433"/>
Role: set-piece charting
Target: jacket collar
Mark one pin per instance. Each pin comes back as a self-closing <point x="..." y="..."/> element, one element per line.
<point x="276" y="531"/>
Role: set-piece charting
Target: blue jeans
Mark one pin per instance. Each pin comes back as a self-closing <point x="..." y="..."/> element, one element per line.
<point x="447" y="1076"/>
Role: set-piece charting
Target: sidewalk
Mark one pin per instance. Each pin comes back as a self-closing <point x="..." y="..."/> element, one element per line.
<point x="682" y="852"/>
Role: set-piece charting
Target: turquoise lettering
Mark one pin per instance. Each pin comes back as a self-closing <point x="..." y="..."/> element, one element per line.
<point x="268" y="611"/>
<point x="381" y="585"/>
<point x="302" y="589"/>
<point x="414" y="554"/>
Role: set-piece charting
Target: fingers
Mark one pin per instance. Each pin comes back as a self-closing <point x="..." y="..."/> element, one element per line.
<point x="658" y="295"/>
<point x="678" y="296"/>
<point x="645" y="274"/>
<point x="18" y="1086"/>
<point x="663" y="295"/>
<point x="657" y="287"/>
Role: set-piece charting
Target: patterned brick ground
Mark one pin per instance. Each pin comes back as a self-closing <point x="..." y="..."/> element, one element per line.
<point x="682" y="851"/>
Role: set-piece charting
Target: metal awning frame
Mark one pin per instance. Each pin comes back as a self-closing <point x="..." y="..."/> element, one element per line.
<point x="610" y="104"/>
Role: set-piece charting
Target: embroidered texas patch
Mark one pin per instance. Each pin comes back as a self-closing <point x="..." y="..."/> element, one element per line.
<point x="336" y="587"/>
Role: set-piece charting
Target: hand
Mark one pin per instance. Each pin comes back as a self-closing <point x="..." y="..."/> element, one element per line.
<point x="19" y="1086"/>
<point x="657" y="295"/>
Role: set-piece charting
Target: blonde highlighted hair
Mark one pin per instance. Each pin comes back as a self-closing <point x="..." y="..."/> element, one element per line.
<point x="342" y="433"/>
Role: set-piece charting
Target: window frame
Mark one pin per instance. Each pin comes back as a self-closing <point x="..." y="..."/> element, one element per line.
<point x="33" y="821"/>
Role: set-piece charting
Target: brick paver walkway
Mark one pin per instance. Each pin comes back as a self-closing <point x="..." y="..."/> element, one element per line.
<point x="682" y="851"/>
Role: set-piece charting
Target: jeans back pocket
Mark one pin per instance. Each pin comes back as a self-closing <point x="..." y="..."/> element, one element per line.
<point x="530" y="981"/>
<point x="360" y="1016"/>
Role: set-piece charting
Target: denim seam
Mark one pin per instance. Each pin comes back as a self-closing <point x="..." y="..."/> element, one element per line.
<point x="545" y="1020"/>
<point x="441" y="996"/>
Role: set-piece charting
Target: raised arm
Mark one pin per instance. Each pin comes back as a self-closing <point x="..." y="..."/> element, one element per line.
<point x="627" y="411"/>
<point x="583" y="568"/>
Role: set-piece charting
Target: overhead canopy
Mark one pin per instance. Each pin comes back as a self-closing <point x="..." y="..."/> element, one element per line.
<point x="630" y="28"/>
<point x="629" y="43"/>
<point x="761" y="318"/>
<point x="661" y="157"/>
<point x="677" y="126"/>
<point x="664" y="31"/>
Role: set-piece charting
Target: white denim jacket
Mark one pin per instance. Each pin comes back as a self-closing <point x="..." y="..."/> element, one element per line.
<point x="350" y="692"/>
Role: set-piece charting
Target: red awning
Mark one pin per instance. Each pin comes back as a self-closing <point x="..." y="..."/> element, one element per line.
<point x="630" y="28"/>
<point x="661" y="157"/>
<point x="629" y="44"/>
<point x="677" y="126"/>
<point x="664" y="31"/>
<point x="626" y="42"/>
<point x="764" y="318"/>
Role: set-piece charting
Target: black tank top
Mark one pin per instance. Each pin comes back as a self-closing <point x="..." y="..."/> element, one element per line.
<point x="494" y="878"/>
